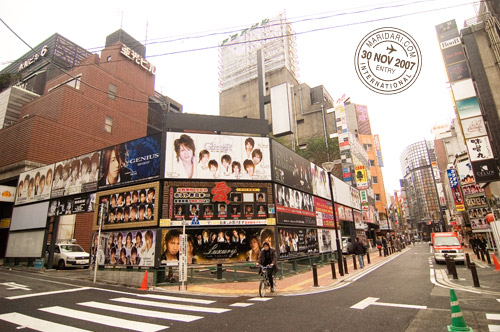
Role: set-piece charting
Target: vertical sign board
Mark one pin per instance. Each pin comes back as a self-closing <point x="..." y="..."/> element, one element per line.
<point x="183" y="257"/>
<point x="455" y="189"/>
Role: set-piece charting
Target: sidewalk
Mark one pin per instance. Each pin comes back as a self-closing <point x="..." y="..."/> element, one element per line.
<point x="301" y="283"/>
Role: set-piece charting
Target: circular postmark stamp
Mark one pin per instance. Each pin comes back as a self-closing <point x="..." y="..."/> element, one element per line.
<point x="388" y="60"/>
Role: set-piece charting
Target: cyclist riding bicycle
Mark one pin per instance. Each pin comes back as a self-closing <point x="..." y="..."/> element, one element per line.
<point x="268" y="257"/>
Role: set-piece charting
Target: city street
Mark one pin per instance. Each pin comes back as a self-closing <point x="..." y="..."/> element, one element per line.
<point x="399" y="295"/>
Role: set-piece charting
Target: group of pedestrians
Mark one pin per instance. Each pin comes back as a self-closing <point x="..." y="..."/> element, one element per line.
<point x="477" y="243"/>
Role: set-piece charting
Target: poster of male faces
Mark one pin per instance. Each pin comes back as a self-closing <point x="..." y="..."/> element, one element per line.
<point x="125" y="248"/>
<point x="297" y="242"/>
<point x="209" y="245"/>
<point x="327" y="240"/>
<point x="207" y="201"/>
<point x="131" y="161"/>
<point x="294" y="207"/>
<point x="291" y="169"/>
<point x="76" y="175"/>
<point x="202" y="156"/>
<point x="34" y="185"/>
<point x="128" y="207"/>
<point x="71" y="205"/>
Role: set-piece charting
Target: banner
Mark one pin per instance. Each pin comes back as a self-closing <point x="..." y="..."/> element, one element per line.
<point x="72" y="205"/>
<point x="7" y="194"/>
<point x="76" y="175"/>
<point x="455" y="189"/>
<point x="327" y="240"/>
<point x="34" y="185"/>
<point x="128" y="207"/>
<point x="217" y="203"/>
<point x="204" y="156"/>
<point x="210" y="245"/>
<point x="297" y="242"/>
<point x="125" y="248"/>
<point x="324" y="212"/>
<point x="130" y="162"/>
<point x="343" y="213"/>
<point x="361" y="177"/>
<point x="294" y="207"/>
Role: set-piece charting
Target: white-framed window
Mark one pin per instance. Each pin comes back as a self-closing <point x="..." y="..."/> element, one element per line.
<point x="108" y="124"/>
<point x="72" y="82"/>
<point x="112" y="91"/>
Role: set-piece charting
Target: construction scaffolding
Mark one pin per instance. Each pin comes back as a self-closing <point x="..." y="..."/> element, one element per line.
<point x="238" y="53"/>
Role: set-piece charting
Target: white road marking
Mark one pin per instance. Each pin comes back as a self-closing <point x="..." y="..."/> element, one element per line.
<point x="493" y="316"/>
<point x="373" y="301"/>
<point x="174" y="298"/>
<point x="260" y="299"/>
<point x="241" y="304"/>
<point x="141" y="312"/>
<point x="13" y="285"/>
<point x="167" y="305"/>
<point x="104" y="320"/>
<point x="494" y="328"/>
<point x="37" y="324"/>
<point x="48" y="293"/>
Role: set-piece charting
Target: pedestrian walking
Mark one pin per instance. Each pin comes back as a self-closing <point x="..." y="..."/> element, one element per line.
<point x="384" y="244"/>
<point x="359" y="250"/>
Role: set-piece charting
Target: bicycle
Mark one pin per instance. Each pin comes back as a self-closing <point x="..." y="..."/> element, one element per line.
<point x="265" y="283"/>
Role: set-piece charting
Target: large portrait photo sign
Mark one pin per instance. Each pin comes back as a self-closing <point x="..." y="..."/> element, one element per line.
<point x="130" y="162"/>
<point x="205" y="156"/>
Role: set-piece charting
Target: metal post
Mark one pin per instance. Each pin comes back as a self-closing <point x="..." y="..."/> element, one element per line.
<point x="488" y="258"/>
<point x="315" y="275"/>
<point x="341" y="268"/>
<point x="98" y="241"/>
<point x="453" y="268"/>
<point x="345" y="265"/>
<point x="474" y="274"/>
<point x="467" y="259"/>
<point x="354" y="262"/>
<point x="219" y="271"/>
<point x="334" y="275"/>
<point x="368" y="256"/>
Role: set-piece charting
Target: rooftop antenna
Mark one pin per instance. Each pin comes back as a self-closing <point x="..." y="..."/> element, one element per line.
<point x="146" y="38"/>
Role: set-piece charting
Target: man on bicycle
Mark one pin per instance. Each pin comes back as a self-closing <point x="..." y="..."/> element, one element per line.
<point x="268" y="257"/>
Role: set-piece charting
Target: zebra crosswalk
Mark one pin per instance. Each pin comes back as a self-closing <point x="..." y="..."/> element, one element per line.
<point x="496" y="318"/>
<point x="137" y="312"/>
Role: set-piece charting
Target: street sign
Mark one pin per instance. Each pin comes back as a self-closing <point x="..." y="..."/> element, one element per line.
<point x="183" y="257"/>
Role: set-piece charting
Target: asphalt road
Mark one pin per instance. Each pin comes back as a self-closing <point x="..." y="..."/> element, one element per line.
<point x="397" y="296"/>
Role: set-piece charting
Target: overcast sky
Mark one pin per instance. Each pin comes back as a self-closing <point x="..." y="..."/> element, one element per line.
<point x="182" y="39"/>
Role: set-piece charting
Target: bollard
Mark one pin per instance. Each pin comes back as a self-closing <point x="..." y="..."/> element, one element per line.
<point x="341" y="267"/>
<point x="334" y="275"/>
<point x="482" y="255"/>
<point x="447" y="261"/>
<point x="368" y="257"/>
<point x="453" y="268"/>
<point x="355" y="266"/>
<point x="219" y="271"/>
<point x="315" y="275"/>
<point x="488" y="258"/>
<point x="467" y="259"/>
<point x="474" y="274"/>
<point x="346" y="271"/>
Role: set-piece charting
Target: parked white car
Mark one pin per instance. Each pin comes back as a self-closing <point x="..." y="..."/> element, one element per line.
<point x="68" y="255"/>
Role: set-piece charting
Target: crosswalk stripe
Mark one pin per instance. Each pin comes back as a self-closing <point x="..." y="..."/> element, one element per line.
<point x="494" y="328"/>
<point x="241" y="304"/>
<point x="493" y="316"/>
<point x="260" y="299"/>
<point x="170" y="305"/>
<point x="178" y="299"/>
<point x="141" y="312"/>
<point x="105" y="320"/>
<point x="37" y="324"/>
